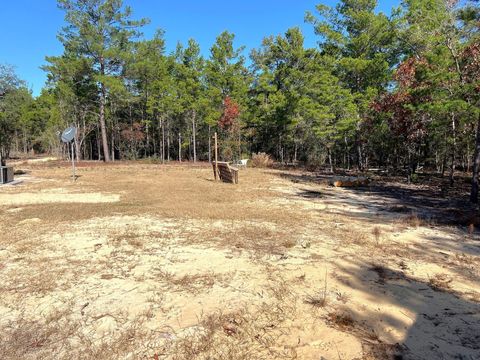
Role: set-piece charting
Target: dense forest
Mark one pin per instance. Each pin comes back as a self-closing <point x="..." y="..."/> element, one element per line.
<point x="397" y="92"/>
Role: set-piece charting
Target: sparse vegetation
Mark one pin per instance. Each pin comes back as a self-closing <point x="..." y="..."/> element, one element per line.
<point x="377" y="233"/>
<point x="317" y="300"/>
<point x="185" y="275"/>
<point x="413" y="220"/>
<point x="261" y="160"/>
<point x="440" y="282"/>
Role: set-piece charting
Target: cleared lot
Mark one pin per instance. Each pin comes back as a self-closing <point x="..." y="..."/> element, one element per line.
<point x="139" y="260"/>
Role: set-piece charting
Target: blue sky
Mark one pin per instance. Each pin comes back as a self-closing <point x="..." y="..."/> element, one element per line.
<point x="29" y="27"/>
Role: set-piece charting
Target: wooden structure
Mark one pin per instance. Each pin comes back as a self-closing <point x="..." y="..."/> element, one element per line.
<point x="225" y="172"/>
<point x="222" y="170"/>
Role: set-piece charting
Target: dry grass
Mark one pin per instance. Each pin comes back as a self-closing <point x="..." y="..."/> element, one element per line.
<point x="255" y="238"/>
<point x="413" y="220"/>
<point x="317" y="300"/>
<point x="440" y="282"/>
<point x="398" y="209"/>
<point x="340" y="320"/>
<point x="130" y="237"/>
<point x="192" y="283"/>
<point x="26" y="339"/>
<point x="377" y="233"/>
<point x="245" y="333"/>
<point x="173" y="192"/>
<point x="261" y="160"/>
<point x="240" y="335"/>
<point x="179" y="242"/>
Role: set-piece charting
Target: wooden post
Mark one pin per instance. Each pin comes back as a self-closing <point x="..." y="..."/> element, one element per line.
<point x="216" y="156"/>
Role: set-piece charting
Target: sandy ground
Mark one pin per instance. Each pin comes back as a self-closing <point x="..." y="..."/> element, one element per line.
<point x="144" y="261"/>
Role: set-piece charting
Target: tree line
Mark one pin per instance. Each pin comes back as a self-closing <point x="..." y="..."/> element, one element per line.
<point x="397" y="91"/>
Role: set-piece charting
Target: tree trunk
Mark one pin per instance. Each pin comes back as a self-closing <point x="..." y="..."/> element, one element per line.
<point x="25" y="148"/>
<point x="476" y="166"/>
<point x="239" y="144"/>
<point x="113" y="145"/>
<point x="468" y="157"/>
<point x="17" y="146"/>
<point x="445" y="154"/>
<point x="360" y="158"/>
<point x="330" y="160"/>
<point x="99" y="146"/>
<point x="179" y="147"/>
<point x="77" y="148"/>
<point x="168" y="140"/>
<point x="209" y="144"/>
<point x="163" y="142"/>
<point x="194" y="130"/>
<point x="103" y="100"/>
<point x="90" y="156"/>
<point x="454" y="144"/>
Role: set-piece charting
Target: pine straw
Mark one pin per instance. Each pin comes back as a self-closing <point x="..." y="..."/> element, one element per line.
<point x="246" y="333"/>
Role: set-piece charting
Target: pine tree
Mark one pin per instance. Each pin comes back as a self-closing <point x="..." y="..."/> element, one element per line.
<point x="100" y="30"/>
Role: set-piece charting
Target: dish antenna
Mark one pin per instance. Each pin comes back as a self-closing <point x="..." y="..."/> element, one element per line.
<point x="67" y="136"/>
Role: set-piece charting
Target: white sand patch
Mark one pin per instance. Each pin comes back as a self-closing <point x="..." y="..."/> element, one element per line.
<point x="34" y="161"/>
<point x="46" y="198"/>
<point x="29" y="221"/>
<point x="15" y="210"/>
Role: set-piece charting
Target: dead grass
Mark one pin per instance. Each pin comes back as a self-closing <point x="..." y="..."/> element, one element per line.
<point x="192" y="283"/>
<point x="258" y="239"/>
<point x="440" y="282"/>
<point x="29" y="279"/>
<point x="240" y="335"/>
<point x="398" y="209"/>
<point x="26" y="339"/>
<point x="413" y="220"/>
<point x="129" y="237"/>
<point x="261" y="160"/>
<point x="340" y="320"/>
<point x="377" y="233"/>
<point x="268" y="243"/>
<point x="318" y="300"/>
<point x="373" y="347"/>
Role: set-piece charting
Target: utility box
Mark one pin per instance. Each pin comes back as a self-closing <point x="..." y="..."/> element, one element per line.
<point x="6" y="174"/>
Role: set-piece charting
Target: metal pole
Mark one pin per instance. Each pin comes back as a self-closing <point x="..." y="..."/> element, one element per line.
<point x="73" y="163"/>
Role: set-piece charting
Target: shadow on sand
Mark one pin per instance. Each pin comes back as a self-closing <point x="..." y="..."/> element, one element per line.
<point x="437" y="322"/>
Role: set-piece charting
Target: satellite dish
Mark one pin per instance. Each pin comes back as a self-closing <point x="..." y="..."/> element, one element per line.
<point x="69" y="134"/>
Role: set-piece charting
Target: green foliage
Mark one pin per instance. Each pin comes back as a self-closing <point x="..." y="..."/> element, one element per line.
<point x="397" y="91"/>
<point x="15" y="110"/>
